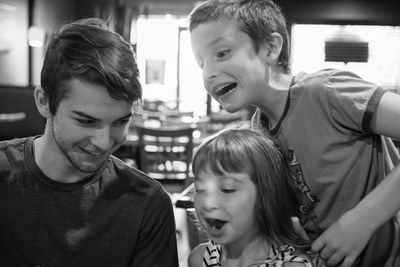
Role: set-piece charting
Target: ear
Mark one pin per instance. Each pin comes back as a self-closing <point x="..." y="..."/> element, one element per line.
<point x="42" y="102"/>
<point x="274" y="48"/>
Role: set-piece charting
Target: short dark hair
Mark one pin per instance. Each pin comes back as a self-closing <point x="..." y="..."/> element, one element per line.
<point x="250" y="151"/>
<point x="257" y="18"/>
<point x="88" y="49"/>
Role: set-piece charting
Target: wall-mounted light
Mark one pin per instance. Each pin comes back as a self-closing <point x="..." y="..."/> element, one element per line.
<point x="36" y="36"/>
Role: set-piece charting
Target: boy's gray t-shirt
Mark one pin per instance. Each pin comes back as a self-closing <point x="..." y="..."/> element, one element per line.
<point x="334" y="157"/>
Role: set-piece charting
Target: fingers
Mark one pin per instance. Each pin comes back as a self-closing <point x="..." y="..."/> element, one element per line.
<point x="336" y="258"/>
<point x="299" y="229"/>
<point x="318" y="244"/>
<point x="327" y="253"/>
<point x="348" y="261"/>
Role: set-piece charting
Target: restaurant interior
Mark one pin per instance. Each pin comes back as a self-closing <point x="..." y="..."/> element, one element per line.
<point x="362" y="36"/>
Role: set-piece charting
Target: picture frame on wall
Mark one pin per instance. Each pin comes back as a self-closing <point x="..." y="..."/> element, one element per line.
<point x="155" y="71"/>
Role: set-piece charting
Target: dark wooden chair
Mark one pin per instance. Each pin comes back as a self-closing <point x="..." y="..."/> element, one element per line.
<point x="165" y="154"/>
<point x="223" y="119"/>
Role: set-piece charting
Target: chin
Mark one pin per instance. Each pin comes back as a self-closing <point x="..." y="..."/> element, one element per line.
<point x="86" y="168"/>
<point x="232" y="109"/>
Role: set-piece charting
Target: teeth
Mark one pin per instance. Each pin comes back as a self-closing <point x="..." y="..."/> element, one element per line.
<point x="220" y="88"/>
<point x="225" y="88"/>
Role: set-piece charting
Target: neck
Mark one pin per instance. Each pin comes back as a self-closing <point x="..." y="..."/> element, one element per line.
<point x="256" y="251"/>
<point x="274" y="101"/>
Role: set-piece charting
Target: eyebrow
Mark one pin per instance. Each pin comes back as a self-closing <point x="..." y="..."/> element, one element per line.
<point x="213" y="42"/>
<point x="223" y="178"/>
<point x="87" y="116"/>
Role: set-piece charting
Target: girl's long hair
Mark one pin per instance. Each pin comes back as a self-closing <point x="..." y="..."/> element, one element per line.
<point x="249" y="151"/>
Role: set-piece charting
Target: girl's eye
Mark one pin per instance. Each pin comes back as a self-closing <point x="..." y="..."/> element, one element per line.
<point x="198" y="190"/>
<point x="228" y="190"/>
<point x="223" y="53"/>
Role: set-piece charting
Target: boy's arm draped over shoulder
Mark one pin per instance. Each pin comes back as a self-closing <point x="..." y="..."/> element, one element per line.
<point x="157" y="242"/>
<point x="344" y="240"/>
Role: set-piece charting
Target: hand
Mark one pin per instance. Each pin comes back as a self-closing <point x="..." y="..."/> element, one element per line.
<point x="343" y="241"/>
<point x="299" y="229"/>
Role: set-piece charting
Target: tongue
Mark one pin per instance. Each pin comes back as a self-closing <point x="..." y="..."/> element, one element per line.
<point x="218" y="224"/>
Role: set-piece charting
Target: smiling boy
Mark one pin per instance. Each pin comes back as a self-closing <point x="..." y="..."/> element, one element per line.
<point x="328" y="122"/>
<point x="65" y="200"/>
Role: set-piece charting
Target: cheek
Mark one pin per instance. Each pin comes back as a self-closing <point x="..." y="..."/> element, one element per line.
<point x="197" y="202"/>
<point x="120" y="134"/>
<point x="67" y="131"/>
<point x="245" y="206"/>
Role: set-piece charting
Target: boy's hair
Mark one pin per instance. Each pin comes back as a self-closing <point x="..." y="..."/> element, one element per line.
<point x="249" y="151"/>
<point x="257" y="18"/>
<point x="89" y="50"/>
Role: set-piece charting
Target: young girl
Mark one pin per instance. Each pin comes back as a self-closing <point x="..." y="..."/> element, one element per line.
<point x="245" y="203"/>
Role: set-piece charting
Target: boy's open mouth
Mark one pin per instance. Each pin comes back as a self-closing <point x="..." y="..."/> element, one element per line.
<point x="227" y="88"/>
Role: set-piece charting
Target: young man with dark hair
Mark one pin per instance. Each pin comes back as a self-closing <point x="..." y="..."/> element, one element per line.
<point x="65" y="200"/>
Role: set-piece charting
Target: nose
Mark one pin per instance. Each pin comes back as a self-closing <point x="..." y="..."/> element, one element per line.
<point x="209" y="71"/>
<point x="211" y="201"/>
<point x="102" y="138"/>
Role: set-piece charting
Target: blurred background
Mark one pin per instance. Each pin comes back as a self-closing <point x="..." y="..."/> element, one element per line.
<point x="360" y="35"/>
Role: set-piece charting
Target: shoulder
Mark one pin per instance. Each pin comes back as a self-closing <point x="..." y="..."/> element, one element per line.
<point x="291" y="257"/>
<point x="12" y="150"/>
<point x="332" y="79"/>
<point x="196" y="255"/>
<point x="12" y="143"/>
<point x="127" y="179"/>
<point x="131" y="175"/>
<point x="342" y="91"/>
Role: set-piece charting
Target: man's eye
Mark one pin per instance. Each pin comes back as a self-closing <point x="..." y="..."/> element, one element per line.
<point x="122" y="122"/>
<point x="85" y="121"/>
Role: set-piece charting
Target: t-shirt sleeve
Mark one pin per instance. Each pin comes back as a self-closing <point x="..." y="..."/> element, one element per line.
<point x="157" y="242"/>
<point x="352" y="100"/>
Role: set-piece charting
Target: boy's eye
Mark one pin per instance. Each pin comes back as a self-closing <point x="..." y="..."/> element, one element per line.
<point x="228" y="190"/>
<point x="223" y="53"/>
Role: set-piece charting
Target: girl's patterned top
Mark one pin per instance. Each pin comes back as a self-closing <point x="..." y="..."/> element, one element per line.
<point x="276" y="258"/>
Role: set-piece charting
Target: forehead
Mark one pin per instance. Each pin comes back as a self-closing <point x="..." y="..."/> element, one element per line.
<point x="92" y="99"/>
<point x="206" y="174"/>
<point x="213" y="32"/>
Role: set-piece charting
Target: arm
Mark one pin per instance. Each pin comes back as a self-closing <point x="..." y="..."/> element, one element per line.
<point x="157" y="242"/>
<point x="196" y="256"/>
<point x="345" y="239"/>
